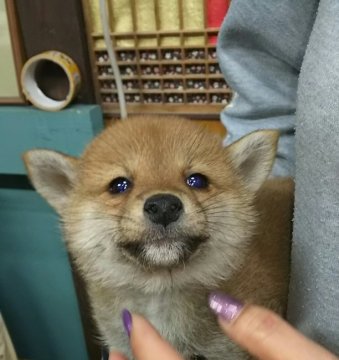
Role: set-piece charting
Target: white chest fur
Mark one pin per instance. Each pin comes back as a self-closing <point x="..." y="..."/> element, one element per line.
<point x="181" y="316"/>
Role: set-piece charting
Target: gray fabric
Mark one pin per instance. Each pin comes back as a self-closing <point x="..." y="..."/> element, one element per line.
<point x="261" y="49"/>
<point x="314" y="291"/>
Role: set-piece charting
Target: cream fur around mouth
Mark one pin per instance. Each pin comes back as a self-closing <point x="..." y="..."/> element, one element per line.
<point x="164" y="251"/>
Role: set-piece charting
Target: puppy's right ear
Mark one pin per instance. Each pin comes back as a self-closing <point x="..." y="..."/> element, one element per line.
<point x="52" y="174"/>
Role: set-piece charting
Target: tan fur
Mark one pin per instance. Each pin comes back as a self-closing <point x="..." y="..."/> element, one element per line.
<point x="245" y="227"/>
<point x="268" y="258"/>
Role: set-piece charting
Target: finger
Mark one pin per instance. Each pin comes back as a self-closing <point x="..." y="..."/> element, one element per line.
<point x="266" y="335"/>
<point x="147" y="344"/>
<point x="263" y="333"/>
<point x="116" y="356"/>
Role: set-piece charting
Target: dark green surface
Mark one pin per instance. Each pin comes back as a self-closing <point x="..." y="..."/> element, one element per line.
<point x="37" y="295"/>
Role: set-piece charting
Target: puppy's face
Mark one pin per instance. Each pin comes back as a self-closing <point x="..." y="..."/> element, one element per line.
<point x="155" y="201"/>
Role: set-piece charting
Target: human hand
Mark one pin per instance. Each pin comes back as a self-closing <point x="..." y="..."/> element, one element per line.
<point x="260" y="331"/>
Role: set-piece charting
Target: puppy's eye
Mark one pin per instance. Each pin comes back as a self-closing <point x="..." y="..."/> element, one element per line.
<point x="198" y="181"/>
<point x="119" y="185"/>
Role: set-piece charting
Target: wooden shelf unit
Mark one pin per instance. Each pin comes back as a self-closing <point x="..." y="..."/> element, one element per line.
<point x="166" y="79"/>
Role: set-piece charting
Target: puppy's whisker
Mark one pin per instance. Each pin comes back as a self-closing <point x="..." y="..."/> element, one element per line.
<point x="227" y="224"/>
<point x="222" y="212"/>
<point x="99" y="215"/>
<point x="213" y="197"/>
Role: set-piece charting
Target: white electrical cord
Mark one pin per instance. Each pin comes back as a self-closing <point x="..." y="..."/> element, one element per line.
<point x="113" y="59"/>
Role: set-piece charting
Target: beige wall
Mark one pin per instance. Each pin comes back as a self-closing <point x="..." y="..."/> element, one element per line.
<point x="8" y="81"/>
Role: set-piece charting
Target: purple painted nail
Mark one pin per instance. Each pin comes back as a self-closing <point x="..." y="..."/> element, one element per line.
<point x="225" y="306"/>
<point x="127" y="321"/>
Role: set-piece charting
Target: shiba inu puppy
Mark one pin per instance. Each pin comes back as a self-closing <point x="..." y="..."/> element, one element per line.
<point x="157" y="214"/>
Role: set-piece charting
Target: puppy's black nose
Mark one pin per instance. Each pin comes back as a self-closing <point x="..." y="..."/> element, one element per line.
<point x="163" y="209"/>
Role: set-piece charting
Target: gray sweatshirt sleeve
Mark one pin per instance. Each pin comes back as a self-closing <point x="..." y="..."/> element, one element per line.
<point x="261" y="45"/>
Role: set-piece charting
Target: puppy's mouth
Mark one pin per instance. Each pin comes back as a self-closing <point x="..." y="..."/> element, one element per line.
<point x="166" y="253"/>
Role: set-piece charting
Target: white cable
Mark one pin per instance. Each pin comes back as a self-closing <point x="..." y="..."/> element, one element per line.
<point x="113" y="59"/>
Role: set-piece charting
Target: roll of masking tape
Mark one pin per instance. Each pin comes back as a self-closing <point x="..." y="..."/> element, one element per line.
<point x="50" y="80"/>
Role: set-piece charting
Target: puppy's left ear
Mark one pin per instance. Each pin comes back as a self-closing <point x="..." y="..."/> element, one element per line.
<point x="253" y="156"/>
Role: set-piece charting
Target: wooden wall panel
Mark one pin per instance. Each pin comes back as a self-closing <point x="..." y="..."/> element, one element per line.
<point x="57" y="25"/>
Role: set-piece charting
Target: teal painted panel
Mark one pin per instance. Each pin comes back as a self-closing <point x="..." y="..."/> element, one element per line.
<point x="23" y="128"/>
<point x="37" y="296"/>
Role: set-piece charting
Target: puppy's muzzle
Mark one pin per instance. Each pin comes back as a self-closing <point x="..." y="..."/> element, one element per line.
<point x="163" y="209"/>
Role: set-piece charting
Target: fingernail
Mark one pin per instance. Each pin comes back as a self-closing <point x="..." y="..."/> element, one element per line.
<point x="127" y="321"/>
<point x="225" y="306"/>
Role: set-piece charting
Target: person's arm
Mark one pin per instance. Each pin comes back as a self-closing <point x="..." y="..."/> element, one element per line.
<point x="260" y="49"/>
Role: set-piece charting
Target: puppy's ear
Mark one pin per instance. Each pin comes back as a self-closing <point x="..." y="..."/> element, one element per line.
<point x="52" y="174"/>
<point x="253" y="156"/>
